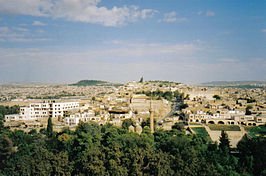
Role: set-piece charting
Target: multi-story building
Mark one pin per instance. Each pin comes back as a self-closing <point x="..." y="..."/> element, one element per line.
<point x="75" y="119"/>
<point x="45" y="109"/>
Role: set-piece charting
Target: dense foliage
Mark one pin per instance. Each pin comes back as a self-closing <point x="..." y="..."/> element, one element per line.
<point x="58" y="96"/>
<point x="158" y="94"/>
<point x="5" y="110"/>
<point x="107" y="150"/>
<point x="217" y="97"/>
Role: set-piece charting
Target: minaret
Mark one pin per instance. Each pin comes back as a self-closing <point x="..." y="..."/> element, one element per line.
<point x="151" y="118"/>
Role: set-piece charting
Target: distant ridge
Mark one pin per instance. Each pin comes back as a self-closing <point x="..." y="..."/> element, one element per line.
<point x="233" y="82"/>
<point x="236" y="84"/>
<point x="94" y="83"/>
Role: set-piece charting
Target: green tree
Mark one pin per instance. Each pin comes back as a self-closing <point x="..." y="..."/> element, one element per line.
<point x="1" y="121"/>
<point x="176" y="94"/>
<point x="178" y="126"/>
<point x="248" y="112"/>
<point x="217" y="97"/>
<point x="183" y="106"/>
<point x="6" y="149"/>
<point x="147" y="122"/>
<point x="252" y="155"/>
<point x="5" y="110"/>
<point x="224" y="142"/>
<point x="168" y="95"/>
<point x="126" y="123"/>
<point x="49" y="127"/>
<point x="33" y="132"/>
<point x="187" y="97"/>
<point x="141" y="80"/>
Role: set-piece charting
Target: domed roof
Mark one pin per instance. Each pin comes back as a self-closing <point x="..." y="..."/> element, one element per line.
<point x="131" y="128"/>
<point x="138" y="129"/>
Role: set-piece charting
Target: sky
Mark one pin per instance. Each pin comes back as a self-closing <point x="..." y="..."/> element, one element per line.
<point x="189" y="41"/>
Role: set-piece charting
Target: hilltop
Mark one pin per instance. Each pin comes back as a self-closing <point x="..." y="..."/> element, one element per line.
<point x="94" y="83"/>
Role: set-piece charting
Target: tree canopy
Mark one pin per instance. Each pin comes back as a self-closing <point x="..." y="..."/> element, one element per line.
<point x="108" y="150"/>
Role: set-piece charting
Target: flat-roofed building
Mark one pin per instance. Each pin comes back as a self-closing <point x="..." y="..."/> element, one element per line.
<point x="45" y="109"/>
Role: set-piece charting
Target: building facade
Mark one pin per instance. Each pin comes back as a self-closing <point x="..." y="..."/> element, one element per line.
<point x="45" y="109"/>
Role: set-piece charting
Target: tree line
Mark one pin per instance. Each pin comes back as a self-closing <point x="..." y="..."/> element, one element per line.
<point x="158" y="94"/>
<point x="5" y="110"/>
<point x="92" y="149"/>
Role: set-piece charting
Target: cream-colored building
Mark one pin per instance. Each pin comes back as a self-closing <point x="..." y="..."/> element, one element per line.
<point x="45" y="109"/>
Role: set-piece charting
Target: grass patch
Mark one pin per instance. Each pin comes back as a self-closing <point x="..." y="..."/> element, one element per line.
<point x="193" y="123"/>
<point x="215" y="127"/>
<point x="256" y="131"/>
<point x="201" y="131"/>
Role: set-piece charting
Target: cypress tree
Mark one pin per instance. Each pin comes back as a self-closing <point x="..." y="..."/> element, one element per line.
<point x="49" y="127"/>
<point x="141" y="80"/>
<point x="224" y="142"/>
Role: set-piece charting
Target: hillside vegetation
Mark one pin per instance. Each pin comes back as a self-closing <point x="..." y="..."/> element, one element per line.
<point x="94" y="83"/>
<point x="108" y="150"/>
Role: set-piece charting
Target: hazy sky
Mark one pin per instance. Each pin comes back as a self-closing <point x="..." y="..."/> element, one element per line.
<point x="189" y="41"/>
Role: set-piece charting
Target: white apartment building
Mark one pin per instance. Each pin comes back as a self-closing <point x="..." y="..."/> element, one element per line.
<point x="74" y="119"/>
<point x="48" y="108"/>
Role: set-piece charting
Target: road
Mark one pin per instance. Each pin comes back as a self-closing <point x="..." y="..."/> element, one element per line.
<point x="174" y="109"/>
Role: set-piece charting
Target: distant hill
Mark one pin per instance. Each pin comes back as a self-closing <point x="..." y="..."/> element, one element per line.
<point x="94" y="83"/>
<point x="237" y="84"/>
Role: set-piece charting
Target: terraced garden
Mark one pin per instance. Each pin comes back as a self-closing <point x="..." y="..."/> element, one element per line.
<point x="256" y="131"/>
<point x="215" y="127"/>
<point x="201" y="131"/>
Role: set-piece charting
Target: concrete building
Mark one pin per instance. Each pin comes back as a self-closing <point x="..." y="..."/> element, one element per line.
<point x="45" y="109"/>
<point x="75" y="119"/>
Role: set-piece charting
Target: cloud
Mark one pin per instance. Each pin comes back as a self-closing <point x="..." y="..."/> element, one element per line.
<point x="210" y="13"/>
<point x="199" y="12"/>
<point x="11" y="34"/>
<point x="148" y="13"/>
<point x="138" y="49"/>
<point x="38" y="23"/>
<point x="228" y="60"/>
<point x="4" y="29"/>
<point x="171" y="18"/>
<point x="226" y="32"/>
<point x="207" y="13"/>
<point x="263" y="30"/>
<point x="26" y="7"/>
<point x="18" y="34"/>
<point x="20" y="29"/>
<point x="84" y="11"/>
<point x="29" y="64"/>
<point x="40" y="31"/>
<point x="112" y="61"/>
<point x="78" y="10"/>
<point x="28" y="39"/>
